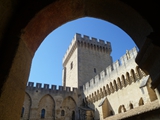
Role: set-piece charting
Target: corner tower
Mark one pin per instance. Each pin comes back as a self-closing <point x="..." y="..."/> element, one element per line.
<point x="85" y="58"/>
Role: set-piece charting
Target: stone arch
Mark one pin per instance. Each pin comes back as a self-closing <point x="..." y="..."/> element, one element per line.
<point x="141" y="102"/>
<point x="50" y="17"/>
<point x="93" y="98"/>
<point x="131" y="106"/>
<point x="98" y="95"/>
<point x="69" y="105"/>
<point x="104" y="91"/>
<point x="95" y="95"/>
<point x="108" y="90"/>
<point x="123" y="81"/>
<point x="115" y="85"/>
<point x="133" y="77"/>
<point x="48" y="104"/>
<point x="119" y="109"/>
<point x="119" y="83"/>
<point x="111" y="88"/>
<point x="26" y="106"/>
<point x="128" y="78"/>
<point x="139" y="73"/>
<point x="101" y="93"/>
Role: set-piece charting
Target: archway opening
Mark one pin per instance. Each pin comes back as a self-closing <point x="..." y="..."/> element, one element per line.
<point x="47" y="62"/>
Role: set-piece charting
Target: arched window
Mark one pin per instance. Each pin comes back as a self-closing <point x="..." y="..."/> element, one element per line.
<point x="62" y="113"/>
<point x="73" y="115"/>
<point x="119" y="83"/>
<point x="133" y="75"/>
<point x="43" y="113"/>
<point x="141" y="102"/>
<point x="123" y="81"/>
<point x="22" y="112"/>
<point x="128" y="78"/>
<point x="131" y="106"/>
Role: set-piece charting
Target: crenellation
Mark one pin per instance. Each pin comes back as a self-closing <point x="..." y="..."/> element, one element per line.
<point x="87" y="85"/>
<point x="110" y="69"/>
<point x="102" y="74"/>
<point x="30" y="84"/>
<point x="102" y="42"/>
<point x="38" y="85"/>
<point x="97" y="78"/>
<point x="92" y="82"/>
<point x="74" y="89"/>
<point x="47" y="87"/>
<point x="94" y="39"/>
<point x="116" y="64"/>
<point x="86" y="39"/>
<point x="53" y="87"/>
<point x="68" y="89"/>
<point x="61" y="88"/>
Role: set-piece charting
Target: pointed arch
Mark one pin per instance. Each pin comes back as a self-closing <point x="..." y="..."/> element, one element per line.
<point x="119" y="83"/>
<point x="115" y="85"/>
<point x="111" y="88"/>
<point x="104" y="91"/>
<point x="138" y="73"/>
<point x="26" y="106"/>
<point x="128" y="78"/>
<point x="133" y="76"/>
<point x="131" y="106"/>
<point x="48" y="104"/>
<point x="141" y="102"/>
<point x="108" y="90"/>
<point x="101" y="93"/>
<point x="119" y="109"/>
<point x="123" y="81"/>
<point x="69" y="105"/>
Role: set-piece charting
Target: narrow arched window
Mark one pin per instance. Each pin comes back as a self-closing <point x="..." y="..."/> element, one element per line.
<point x="43" y="113"/>
<point x="22" y="112"/>
<point x="73" y="115"/>
<point x="62" y="113"/>
<point x="95" y="70"/>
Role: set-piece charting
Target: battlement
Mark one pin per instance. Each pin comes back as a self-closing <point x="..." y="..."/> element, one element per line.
<point x="87" y="41"/>
<point x="92" y="40"/>
<point x="105" y="74"/>
<point x="46" y="87"/>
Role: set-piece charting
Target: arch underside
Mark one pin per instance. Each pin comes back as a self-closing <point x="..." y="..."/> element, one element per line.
<point x="23" y="33"/>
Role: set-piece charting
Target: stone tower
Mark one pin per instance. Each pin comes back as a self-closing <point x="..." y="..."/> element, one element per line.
<point x="85" y="58"/>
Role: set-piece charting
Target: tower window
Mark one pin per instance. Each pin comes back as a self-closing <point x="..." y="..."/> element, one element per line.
<point x="62" y="113"/>
<point x="71" y="65"/>
<point x="42" y="113"/>
<point x="22" y="112"/>
<point x="94" y="70"/>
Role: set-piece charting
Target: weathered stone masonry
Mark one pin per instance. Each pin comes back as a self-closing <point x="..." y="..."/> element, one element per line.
<point x="94" y="87"/>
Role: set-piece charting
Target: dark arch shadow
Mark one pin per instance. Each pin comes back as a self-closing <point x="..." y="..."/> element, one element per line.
<point x="26" y="34"/>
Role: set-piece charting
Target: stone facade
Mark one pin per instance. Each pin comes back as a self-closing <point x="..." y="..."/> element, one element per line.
<point x="94" y="88"/>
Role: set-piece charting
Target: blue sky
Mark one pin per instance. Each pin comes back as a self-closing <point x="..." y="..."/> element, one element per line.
<point x="47" y="62"/>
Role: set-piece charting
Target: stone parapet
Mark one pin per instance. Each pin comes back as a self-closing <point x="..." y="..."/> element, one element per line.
<point x="117" y="66"/>
<point x="46" y="87"/>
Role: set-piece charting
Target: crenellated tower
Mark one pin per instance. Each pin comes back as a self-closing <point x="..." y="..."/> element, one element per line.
<point x="85" y="58"/>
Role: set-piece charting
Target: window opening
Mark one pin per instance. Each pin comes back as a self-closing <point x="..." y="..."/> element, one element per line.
<point x="43" y="113"/>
